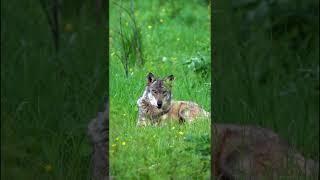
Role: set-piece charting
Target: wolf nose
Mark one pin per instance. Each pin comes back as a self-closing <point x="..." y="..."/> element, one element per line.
<point x="159" y="103"/>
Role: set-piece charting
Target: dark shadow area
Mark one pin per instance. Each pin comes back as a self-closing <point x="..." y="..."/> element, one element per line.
<point x="53" y="80"/>
<point x="266" y="68"/>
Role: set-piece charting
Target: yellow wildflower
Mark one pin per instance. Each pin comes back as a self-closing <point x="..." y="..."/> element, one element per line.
<point x="123" y="143"/>
<point x="149" y="26"/>
<point x="181" y="133"/>
<point x="68" y="27"/>
<point x="161" y="20"/>
<point x="48" y="168"/>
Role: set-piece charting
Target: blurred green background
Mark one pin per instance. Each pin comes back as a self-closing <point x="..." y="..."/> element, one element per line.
<point x="48" y="98"/>
<point x="266" y="67"/>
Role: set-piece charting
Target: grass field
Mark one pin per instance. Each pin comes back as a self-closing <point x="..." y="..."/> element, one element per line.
<point x="47" y="99"/>
<point x="169" y="40"/>
<point x="269" y="76"/>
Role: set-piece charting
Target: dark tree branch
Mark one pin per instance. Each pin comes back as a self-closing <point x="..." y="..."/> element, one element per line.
<point x="52" y="15"/>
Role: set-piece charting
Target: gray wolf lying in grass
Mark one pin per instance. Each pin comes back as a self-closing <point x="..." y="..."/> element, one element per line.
<point x="249" y="152"/>
<point x="239" y="152"/>
<point x="156" y="106"/>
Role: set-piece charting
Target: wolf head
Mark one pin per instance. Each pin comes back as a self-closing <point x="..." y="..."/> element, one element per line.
<point x="159" y="91"/>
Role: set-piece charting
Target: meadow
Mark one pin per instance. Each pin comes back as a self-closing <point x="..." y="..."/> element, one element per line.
<point x="265" y="72"/>
<point x="174" y="37"/>
<point x="49" y="97"/>
<point x="266" y="68"/>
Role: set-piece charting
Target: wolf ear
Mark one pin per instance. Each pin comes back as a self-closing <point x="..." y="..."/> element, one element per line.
<point x="150" y="78"/>
<point x="168" y="81"/>
<point x="169" y="78"/>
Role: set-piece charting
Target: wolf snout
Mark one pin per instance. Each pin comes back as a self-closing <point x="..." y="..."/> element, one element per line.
<point x="159" y="104"/>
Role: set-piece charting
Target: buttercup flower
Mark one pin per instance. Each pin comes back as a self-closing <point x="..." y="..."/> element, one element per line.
<point x="48" y="167"/>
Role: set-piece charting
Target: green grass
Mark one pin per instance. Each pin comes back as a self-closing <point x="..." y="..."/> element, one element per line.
<point x="47" y="99"/>
<point x="267" y="81"/>
<point x="171" y="151"/>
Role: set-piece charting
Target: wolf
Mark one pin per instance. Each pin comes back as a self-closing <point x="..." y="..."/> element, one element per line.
<point x="252" y="152"/>
<point x="156" y="104"/>
<point x="98" y="135"/>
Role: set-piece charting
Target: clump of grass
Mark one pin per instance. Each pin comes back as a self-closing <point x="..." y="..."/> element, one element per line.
<point x="200" y="64"/>
<point x="128" y="37"/>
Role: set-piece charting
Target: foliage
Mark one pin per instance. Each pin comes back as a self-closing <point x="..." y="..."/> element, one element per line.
<point x="200" y="65"/>
<point x="169" y="38"/>
<point x="47" y="99"/>
<point x="128" y="39"/>
<point x="291" y="21"/>
<point x="265" y="75"/>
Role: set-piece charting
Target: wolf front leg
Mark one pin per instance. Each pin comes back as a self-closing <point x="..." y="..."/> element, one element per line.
<point x="141" y="122"/>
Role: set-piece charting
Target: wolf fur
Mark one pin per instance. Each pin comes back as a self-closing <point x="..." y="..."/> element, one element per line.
<point x="250" y="152"/>
<point x="156" y="104"/>
<point x="239" y="152"/>
<point x="98" y="135"/>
